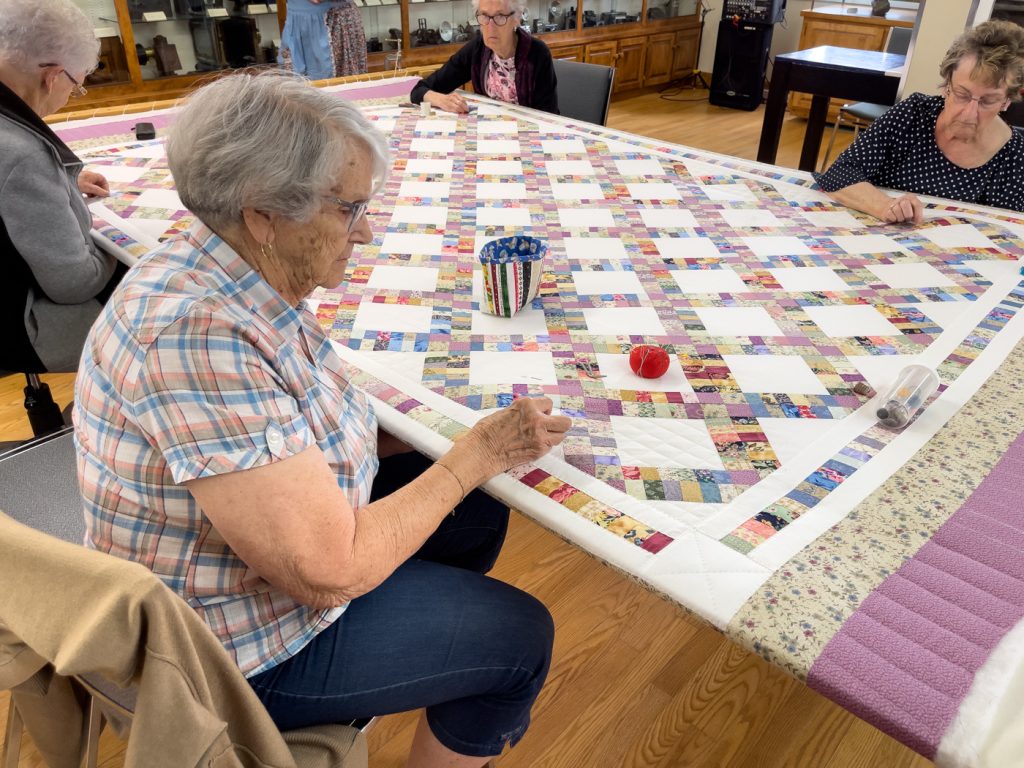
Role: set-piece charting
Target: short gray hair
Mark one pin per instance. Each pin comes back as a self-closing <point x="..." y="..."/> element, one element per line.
<point x="269" y="141"/>
<point x="34" y="32"/>
<point x="514" y="6"/>
<point x="998" y="48"/>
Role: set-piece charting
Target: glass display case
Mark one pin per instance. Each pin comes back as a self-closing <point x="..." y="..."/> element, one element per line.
<point x="382" y="24"/>
<point x="113" y="63"/>
<point x="176" y="37"/>
<point x="605" y="13"/>
<point x="670" y="9"/>
<point x="545" y="16"/>
<point x="440" y="23"/>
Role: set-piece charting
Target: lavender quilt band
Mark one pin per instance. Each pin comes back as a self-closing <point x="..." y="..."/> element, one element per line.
<point x="164" y="119"/>
<point x="906" y="659"/>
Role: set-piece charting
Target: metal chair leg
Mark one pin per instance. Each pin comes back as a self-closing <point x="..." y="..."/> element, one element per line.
<point x="43" y="413"/>
<point x="831" y="141"/>
<point x="92" y="735"/>
<point x="12" y="739"/>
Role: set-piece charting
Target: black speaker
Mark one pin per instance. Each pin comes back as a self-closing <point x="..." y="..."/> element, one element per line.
<point x="741" y="58"/>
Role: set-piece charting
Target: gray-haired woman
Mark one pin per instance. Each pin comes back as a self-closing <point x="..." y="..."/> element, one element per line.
<point x="222" y="445"/>
<point x="503" y="62"/>
<point x="953" y="145"/>
<point x="55" y="278"/>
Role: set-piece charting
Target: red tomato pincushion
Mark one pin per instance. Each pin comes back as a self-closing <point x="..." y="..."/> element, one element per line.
<point x="648" y="361"/>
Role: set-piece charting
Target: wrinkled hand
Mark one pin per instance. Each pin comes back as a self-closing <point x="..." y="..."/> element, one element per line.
<point x="92" y="184"/>
<point x="523" y="432"/>
<point x="904" y="209"/>
<point x="448" y="102"/>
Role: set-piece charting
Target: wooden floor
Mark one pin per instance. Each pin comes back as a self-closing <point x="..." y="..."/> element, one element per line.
<point x="636" y="682"/>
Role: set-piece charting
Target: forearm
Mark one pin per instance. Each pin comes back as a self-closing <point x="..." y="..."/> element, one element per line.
<point x="453" y="74"/>
<point x="291" y="523"/>
<point x="390" y="530"/>
<point x="865" y="197"/>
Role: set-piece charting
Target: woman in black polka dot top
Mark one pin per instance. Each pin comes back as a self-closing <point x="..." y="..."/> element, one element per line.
<point x="953" y="146"/>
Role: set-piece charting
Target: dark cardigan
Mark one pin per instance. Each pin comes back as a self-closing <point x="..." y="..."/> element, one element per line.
<point x="535" y="72"/>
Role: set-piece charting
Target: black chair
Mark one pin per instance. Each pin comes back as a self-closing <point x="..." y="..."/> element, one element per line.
<point x="1014" y="115"/>
<point x="39" y="482"/>
<point x="39" y="488"/>
<point x="862" y="113"/>
<point x="584" y="90"/>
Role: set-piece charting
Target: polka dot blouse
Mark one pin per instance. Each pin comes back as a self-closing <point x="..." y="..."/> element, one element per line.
<point x="899" y="151"/>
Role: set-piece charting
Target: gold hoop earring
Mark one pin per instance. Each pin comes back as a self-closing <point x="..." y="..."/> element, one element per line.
<point x="267" y="250"/>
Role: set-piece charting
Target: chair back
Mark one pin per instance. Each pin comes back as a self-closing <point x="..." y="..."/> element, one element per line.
<point x="1014" y="115"/>
<point x="899" y="40"/>
<point x="39" y="486"/>
<point x="584" y="90"/>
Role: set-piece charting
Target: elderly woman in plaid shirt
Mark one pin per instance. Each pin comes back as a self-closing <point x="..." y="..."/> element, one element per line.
<point x="221" y="445"/>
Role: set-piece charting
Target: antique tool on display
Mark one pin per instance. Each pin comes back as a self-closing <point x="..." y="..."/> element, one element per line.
<point x="162" y="53"/>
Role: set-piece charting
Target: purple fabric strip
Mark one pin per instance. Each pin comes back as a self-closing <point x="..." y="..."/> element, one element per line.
<point x="121" y="125"/>
<point x="400" y="87"/>
<point x="115" y="127"/>
<point x="905" y="659"/>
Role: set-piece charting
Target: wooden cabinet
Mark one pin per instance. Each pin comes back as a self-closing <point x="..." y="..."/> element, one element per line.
<point x="568" y="53"/>
<point x="629" y="64"/>
<point x="684" y="53"/>
<point x="602" y="53"/>
<point x="643" y="61"/>
<point x="836" y="25"/>
<point x="658" y="58"/>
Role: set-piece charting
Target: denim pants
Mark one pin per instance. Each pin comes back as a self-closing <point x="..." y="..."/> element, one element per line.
<point x="437" y="633"/>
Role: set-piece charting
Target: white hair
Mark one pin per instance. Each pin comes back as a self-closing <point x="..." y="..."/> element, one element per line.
<point x="269" y="141"/>
<point x="514" y="6"/>
<point x="34" y="32"/>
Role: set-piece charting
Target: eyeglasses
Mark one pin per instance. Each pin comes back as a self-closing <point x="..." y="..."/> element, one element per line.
<point x="356" y="211"/>
<point x="963" y="97"/>
<point x="500" y="19"/>
<point x="77" y="88"/>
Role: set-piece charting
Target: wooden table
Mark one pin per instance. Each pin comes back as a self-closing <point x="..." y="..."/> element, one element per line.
<point x="751" y="483"/>
<point x="825" y="72"/>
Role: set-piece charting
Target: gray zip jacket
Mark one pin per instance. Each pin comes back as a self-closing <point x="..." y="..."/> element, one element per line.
<point x="52" y="270"/>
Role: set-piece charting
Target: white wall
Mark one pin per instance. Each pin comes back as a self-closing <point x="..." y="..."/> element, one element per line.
<point x="785" y="38"/>
<point x="938" y="24"/>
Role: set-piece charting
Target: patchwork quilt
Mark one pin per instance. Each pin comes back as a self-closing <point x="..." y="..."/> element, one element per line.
<point x="750" y="483"/>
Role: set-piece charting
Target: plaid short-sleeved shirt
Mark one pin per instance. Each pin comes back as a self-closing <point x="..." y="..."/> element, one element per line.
<point x="198" y="367"/>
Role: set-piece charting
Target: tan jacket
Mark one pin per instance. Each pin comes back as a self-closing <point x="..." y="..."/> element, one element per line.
<point x="88" y="613"/>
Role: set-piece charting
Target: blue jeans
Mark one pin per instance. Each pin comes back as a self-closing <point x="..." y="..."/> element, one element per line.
<point x="437" y="633"/>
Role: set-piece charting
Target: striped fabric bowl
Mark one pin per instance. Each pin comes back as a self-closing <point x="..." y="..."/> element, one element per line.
<point x="513" y="267"/>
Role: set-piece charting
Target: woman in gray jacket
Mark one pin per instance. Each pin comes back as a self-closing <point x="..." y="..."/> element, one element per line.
<point x="54" y="277"/>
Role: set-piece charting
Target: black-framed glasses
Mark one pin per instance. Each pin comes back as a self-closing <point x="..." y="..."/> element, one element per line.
<point x="499" y="19"/>
<point x="964" y="97"/>
<point x="355" y="210"/>
<point x="77" y="88"/>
